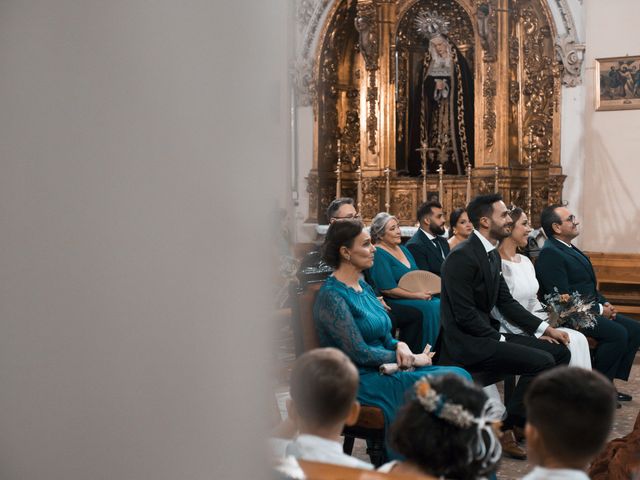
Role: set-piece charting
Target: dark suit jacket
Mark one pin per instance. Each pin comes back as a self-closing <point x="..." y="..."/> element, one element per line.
<point x="425" y="253"/>
<point x="470" y="290"/>
<point x="567" y="269"/>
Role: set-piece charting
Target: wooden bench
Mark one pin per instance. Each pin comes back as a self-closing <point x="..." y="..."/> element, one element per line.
<point x="618" y="276"/>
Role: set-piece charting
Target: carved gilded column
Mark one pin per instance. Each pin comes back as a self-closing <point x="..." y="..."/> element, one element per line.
<point x="492" y="114"/>
<point x="368" y="26"/>
<point x="500" y="154"/>
<point x="387" y="10"/>
<point x="486" y="83"/>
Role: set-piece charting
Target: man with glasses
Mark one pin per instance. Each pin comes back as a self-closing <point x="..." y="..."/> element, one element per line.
<point x="562" y="266"/>
<point x="342" y="209"/>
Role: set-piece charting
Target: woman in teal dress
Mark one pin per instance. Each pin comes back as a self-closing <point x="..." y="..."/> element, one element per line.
<point x="392" y="260"/>
<point x="348" y="316"/>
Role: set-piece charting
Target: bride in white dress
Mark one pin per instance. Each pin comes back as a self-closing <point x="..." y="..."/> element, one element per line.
<point x="520" y="275"/>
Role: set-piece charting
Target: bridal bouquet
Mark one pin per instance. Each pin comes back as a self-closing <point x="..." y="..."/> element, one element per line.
<point x="568" y="310"/>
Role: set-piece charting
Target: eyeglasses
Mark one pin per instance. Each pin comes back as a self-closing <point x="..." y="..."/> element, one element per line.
<point x="570" y="218"/>
<point x="348" y="217"/>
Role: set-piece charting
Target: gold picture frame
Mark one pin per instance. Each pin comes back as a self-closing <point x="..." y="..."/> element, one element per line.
<point x="618" y="83"/>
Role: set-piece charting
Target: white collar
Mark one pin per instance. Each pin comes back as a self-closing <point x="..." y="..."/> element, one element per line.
<point x="556" y="474"/>
<point x="318" y="449"/>
<point x="488" y="246"/>
<point x="564" y="243"/>
<point x="313" y="441"/>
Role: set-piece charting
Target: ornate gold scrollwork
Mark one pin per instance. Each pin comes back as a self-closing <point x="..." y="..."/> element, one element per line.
<point x="487" y="28"/>
<point x="367" y="27"/>
<point x="539" y="78"/>
<point x="555" y="188"/>
<point x="485" y="186"/>
<point x="402" y="204"/>
<point x="350" y="91"/>
<point x="489" y="119"/>
<point x="351" y="132"/>
<point x="401" y="92"/>
<point x="459" y="198"/>
<point x="370" y="197"/>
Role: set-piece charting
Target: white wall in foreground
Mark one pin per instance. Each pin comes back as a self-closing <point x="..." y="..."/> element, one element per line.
<point x="138" y="145"/>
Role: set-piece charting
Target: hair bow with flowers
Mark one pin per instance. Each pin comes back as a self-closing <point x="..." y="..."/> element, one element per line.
<point x="486" y="447"/>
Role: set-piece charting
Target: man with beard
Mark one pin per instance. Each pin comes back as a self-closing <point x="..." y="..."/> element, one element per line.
<point x="564" y="268"/>
<point x="427" y="246"/>
<point x="472" y="285"/>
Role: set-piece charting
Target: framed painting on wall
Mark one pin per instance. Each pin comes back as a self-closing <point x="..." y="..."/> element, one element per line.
<point x="618" y="83"/>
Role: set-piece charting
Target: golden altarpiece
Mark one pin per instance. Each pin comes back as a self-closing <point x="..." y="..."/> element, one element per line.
<point x="365" y="74"/>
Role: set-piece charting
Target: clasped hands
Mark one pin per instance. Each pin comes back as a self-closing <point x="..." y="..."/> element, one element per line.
<point x="407" y="359"/>
<point x="553" y="335"/>
<point x="609" y="311"/>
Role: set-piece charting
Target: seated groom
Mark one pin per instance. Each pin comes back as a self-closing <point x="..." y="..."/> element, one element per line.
<point x="561" y="265"/>
<point x="472" y="285"/>
<point x="428" y="247"/>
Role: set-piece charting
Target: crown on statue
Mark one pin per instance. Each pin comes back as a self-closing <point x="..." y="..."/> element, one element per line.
<point x="429" y="24"/>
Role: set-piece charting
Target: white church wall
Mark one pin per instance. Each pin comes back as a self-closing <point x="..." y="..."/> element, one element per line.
<point x="611" y="200"/>
<point x="572" y="146"/>
<point x="568" y="16"/>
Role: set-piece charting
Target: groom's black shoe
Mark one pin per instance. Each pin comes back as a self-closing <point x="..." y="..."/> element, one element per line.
<point x="624" y="397"/>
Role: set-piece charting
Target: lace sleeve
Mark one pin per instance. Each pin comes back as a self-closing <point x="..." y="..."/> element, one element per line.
<point x="336" y="328"/>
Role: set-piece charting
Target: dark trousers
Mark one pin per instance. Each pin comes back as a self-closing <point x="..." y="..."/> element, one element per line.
<point x="618" y="342"/>
<point x="408" y="321"/>
<point x="525" y="356"/>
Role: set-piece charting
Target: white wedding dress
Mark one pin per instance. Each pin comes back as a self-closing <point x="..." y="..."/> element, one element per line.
<point x="523" y="285"/>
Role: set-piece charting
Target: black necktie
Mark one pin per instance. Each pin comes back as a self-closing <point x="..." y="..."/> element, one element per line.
<point x="438" y="246"/>
<point x="493" y="261"/>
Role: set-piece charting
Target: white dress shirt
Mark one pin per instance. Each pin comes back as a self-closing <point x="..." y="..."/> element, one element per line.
<point x="540" y="473"/>
<point x="318" y="449"/>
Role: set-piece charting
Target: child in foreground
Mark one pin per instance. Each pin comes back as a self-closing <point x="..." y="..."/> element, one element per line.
<point x="324" y="384"/>
<point x="569" y="416"/>
<point x="448" y="429"/>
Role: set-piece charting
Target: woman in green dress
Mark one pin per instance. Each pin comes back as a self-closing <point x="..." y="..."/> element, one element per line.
<point x="392" y="261"/>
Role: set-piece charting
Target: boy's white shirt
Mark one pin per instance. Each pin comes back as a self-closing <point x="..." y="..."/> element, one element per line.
<point x="318" y="449"/>
<point x="541" y="473"/>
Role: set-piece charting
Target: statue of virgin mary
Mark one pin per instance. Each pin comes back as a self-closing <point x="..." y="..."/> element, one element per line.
<point x="441" y="115"/>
